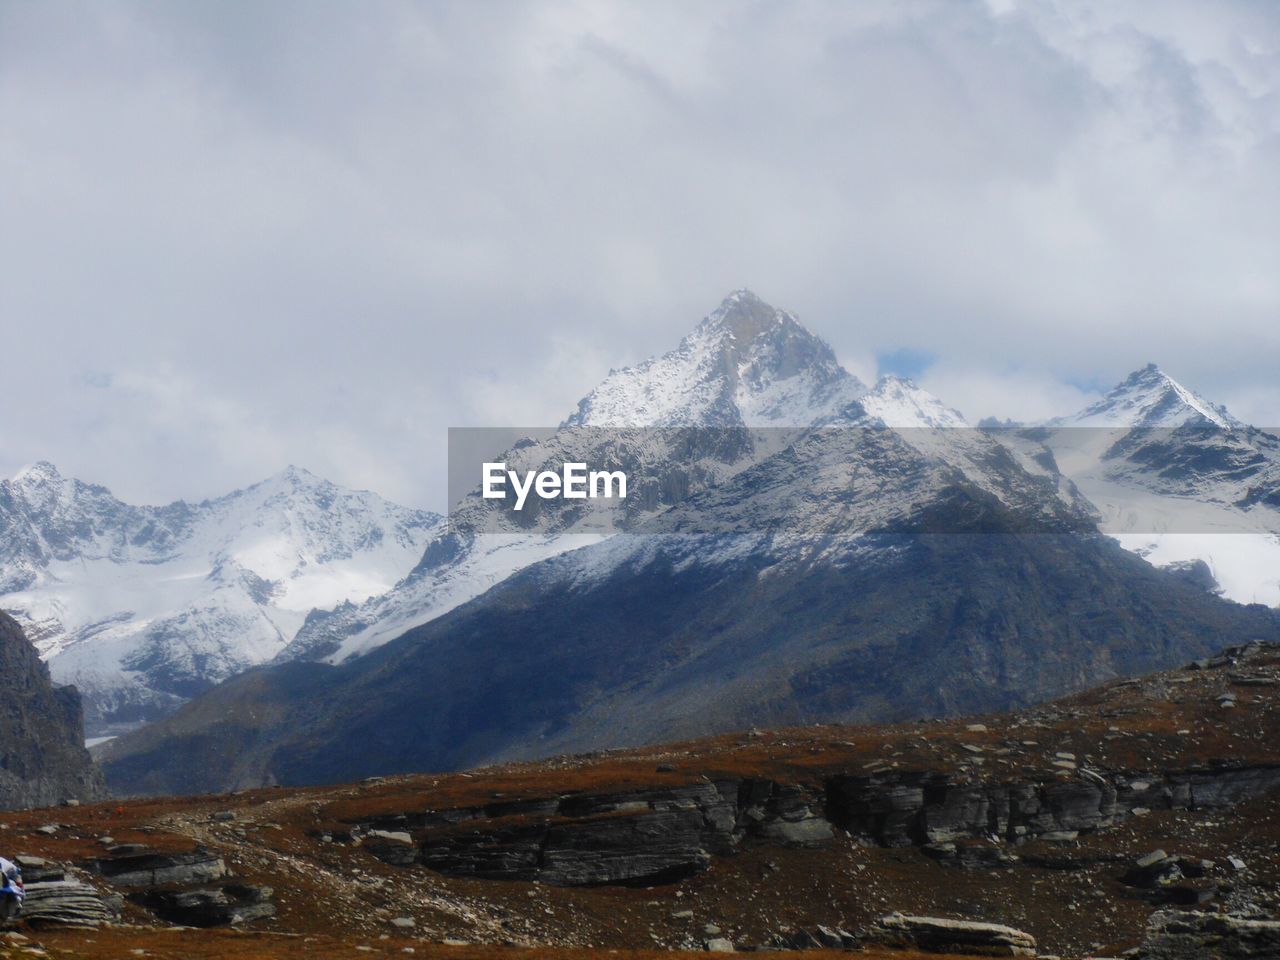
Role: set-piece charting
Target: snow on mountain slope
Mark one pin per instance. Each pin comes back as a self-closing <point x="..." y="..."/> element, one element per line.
<point x="898" y="402"/>
<point x="1176" y="478"/>
<point x="1150" y="398"/>
<point x="142" y="607"/>
<point x="747" y="366"/>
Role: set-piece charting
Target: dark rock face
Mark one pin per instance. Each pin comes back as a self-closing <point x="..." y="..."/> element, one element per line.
<point x="917" y="808"/>
<point x="660" y="836"/>
<point x="209" y="906"/>
<point x="641" y="838"/>
<point x="43" y="759"/>
<point x="1179" y="935"/>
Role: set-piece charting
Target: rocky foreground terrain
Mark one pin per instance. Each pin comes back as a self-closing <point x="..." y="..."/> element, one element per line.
<point x="1141" y="818"/>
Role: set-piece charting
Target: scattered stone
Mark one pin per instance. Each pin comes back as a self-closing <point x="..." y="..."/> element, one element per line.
<point x="395" y="836"/>
<point x="403" y="923"/>
<point x="1150" y="859"/>
<point x="719" y="945"/>
<point x="221" y="816"/>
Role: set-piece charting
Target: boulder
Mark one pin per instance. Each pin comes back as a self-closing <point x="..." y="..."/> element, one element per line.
<point x="940" y="935"/>
<point x="131" y="865"/>
<point x="68" y="902"/>
<point x="38" y="869"/>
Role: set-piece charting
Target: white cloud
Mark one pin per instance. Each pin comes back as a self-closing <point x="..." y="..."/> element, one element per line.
<point x="358" y="227"/>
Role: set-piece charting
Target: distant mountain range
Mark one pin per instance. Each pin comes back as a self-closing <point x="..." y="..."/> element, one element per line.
<point x="144" y="607"/>
<point x="878" y="574"/>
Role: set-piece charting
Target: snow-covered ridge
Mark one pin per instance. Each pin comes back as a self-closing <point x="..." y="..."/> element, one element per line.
<point x="1178" y="480"/>
<point x="898" y="402"/>
<point x="142" y="606"/>
<point x="1150" y="398"/>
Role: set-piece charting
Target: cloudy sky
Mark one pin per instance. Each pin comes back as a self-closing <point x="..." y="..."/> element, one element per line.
<point x="236" y="236"/>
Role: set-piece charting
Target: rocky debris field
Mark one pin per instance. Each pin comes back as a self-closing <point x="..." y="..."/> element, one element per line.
<point x="1141" y="818"/>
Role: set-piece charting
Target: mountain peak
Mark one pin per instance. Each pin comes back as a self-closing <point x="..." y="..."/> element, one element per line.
<point x="898" y="402"/>
<point x="747" y="362"/>
<point x="38" y="473"/>
<point x="1149" y="397"/>
<point x="298" y="474"/>
<point x="744" y="316"/>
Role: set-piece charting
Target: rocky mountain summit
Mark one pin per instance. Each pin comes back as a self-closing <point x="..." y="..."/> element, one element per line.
<point x="43" y="760"/>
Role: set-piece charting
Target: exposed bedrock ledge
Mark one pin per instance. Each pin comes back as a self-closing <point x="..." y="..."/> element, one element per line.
<point x="658" y="836"/>
<point x="916" y="808"/>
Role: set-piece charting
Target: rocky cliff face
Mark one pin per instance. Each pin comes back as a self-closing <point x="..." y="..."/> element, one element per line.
<point x="42" y="755"/>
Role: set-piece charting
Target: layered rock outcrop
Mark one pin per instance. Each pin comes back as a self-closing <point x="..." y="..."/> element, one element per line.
<point x="648" y="837"/>
<point x="1180" y="935"/>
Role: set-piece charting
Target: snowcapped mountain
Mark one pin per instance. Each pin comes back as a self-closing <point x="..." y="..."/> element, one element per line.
<point x="1179" y="480"/>
<point x="801" y="549"/>
<point x="862" y="572"/>
<point x="1150" y="398"/>
<point x="142" y="607"/>
<point x="748" y="369"/>
<point x="746" y="364"/>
